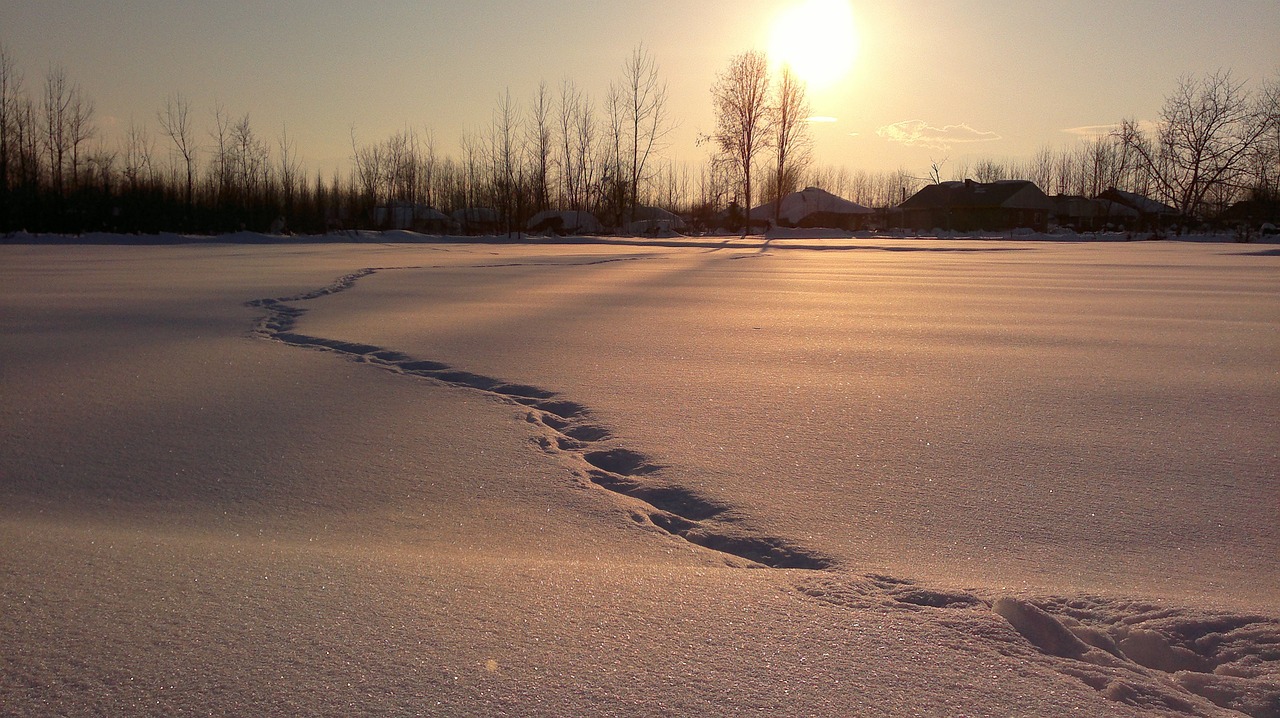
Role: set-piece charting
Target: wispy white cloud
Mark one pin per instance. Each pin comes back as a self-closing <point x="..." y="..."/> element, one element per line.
<point x="918" y="133"/>
<point x="1091" y="131"/>
<point x="1095" y="131"/>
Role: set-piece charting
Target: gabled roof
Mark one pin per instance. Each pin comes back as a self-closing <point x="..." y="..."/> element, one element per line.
<point x="655" y="214"/>
<point x="1004" y="194"/>
<point x="1145" y="205"/>
<point x="810" y="200"/>
<point x="564" y="220"/>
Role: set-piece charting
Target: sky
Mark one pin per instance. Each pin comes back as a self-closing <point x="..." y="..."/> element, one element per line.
<point x="928" y="81"/>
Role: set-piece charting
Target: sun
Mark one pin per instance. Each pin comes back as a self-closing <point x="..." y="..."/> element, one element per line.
<point x="817" y="39"/>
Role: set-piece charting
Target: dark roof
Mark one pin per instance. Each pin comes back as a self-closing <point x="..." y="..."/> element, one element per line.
<point x="1009" y="194"/>
<point x="1143" y="204"/>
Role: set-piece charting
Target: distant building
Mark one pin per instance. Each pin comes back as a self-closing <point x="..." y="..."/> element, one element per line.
<point x="813" y="207"/>
<point x="408" y="215"/>
<point x="967" y="206"/>
<point x="1150" y="214"/>
<point x="1091" y="215"/>
<point x="1252" y="212"/>
<point x="564" y="222"/>
<point x="655" y="221"/>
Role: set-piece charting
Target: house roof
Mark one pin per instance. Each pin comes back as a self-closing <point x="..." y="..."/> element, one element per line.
<point x="566" y="220"/>
<point x="810" y="200"/>
<point x="1004" y="194"/>
<point x="1145" y="205"/>
<point x="1083" y="207"/>
<point x="655" y="214"/>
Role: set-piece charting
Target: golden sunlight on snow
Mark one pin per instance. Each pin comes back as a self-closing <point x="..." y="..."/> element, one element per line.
<point x="817" y="39"/>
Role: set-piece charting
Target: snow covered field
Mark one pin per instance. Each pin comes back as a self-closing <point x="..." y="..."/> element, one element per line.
<point x="974" y="477"/>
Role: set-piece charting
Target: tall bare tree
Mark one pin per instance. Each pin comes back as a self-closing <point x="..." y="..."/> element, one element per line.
<point x="56" y="110"/>
<point x="505" y="152"/>
<point x="539" y="142"/>
<point x="10" y="92"/>
<point x="792" y="142"/>
<point x="578" y="134"/>
<point x="12" y="102"/>
<point x="292" y="177"/>
<point x="175" y="122"/>
<point x="138" y="149"/>
<point x="740" y="97"/>
<point x="646" y="119"/>
<point x="80" y="130"/>
<point x="1266" y="157"/>
<point x="1207" y="130"/>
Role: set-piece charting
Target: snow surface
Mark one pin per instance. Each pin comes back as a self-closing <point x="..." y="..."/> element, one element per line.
<point x="1021" y="478"/>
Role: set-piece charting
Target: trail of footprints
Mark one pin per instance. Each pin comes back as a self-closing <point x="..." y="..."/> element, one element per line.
<point x="1123" y="662"/>
<point x="569" y="429"/>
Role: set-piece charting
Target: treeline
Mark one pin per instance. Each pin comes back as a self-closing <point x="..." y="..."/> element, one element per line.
<point x="561" y="148"/>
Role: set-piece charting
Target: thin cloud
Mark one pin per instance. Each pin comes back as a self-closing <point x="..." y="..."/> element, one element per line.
<point x="918" y="133"/>
<point x="1092" y="132"/>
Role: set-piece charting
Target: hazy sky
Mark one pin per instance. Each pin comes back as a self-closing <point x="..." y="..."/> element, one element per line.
<point x="931" y="79"/>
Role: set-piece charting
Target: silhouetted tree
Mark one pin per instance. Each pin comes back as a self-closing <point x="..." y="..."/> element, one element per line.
<point x="10" y="95"/>
<point x="505" y="151"/>
<point x="1207" y="130"/>
<point x="292" y="177"/>
<point x="645" y="119"/>
<point x="792" y="142"/>
<point x="174" y="120"/>
<point x="539" y="142"/>
<point x="740" y="97"/>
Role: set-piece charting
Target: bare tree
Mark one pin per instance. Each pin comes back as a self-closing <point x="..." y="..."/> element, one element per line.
<point x="367" y="171"/>
<point x="740" y="97"/>
<point x="577" y="125"/>
<point x="989" y="170"/>
<point x="177" y="127"/>
<point x="1265" y="159"/>
<point x="222" y="168"/>
<point x="292" y="177"/>
<point x="539" y="142"/>
<point x="647" y="122"/>
<point x="505" y="151"/>
<point x="80" y="130"/>
<point x="27" y="138"/>
<point x="615" y="190"/>
<point x="1207" y="130"/>
<point x="56" y="109"/>
<point x="138" y="149"/>
<point x="252" y="161"/>
<point x="570" y="97"/>
<point x="427" y="177"/>
<point x="10" y="92"/>
<point x="792" y="142"/>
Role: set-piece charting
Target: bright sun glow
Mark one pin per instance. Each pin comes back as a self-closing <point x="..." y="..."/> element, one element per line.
<point x="817" y="39"/>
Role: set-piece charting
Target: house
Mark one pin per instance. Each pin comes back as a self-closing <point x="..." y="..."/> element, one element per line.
<point x="1147" y="212"/>
<point x="564" y="222"/>
<point x="399" y="214"/>
<point x="478" y="220"/>
<point x="654" y="221"/>
<point x="968" y="205"/>
<point x="1090" y="215"/>
<point x="813" y="207"/>
<point x="1251" y="213"/>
